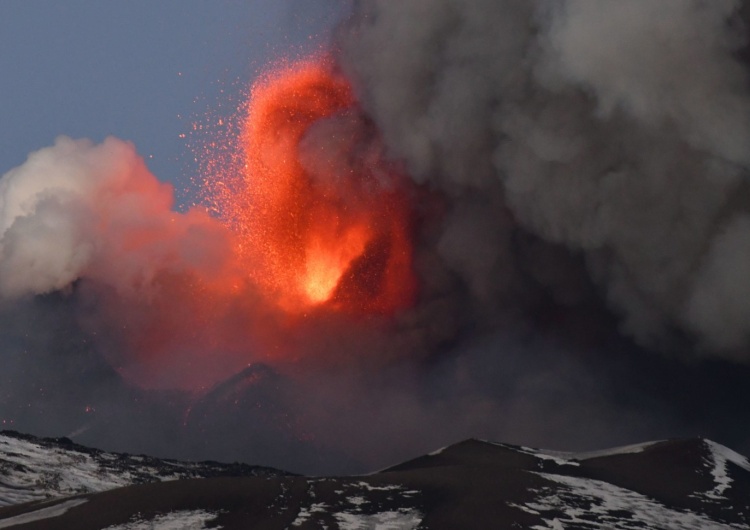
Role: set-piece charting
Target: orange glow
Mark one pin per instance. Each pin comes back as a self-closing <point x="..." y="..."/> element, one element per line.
<point x="314" y="220"/>
<point x="327" y="260"/>
<point x="319" y="224"/>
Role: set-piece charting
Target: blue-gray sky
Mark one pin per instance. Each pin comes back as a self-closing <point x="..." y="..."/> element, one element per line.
<point x="141" y="70"/>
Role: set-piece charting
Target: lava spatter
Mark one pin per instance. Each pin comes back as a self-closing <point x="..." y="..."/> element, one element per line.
<point x="322" y="222"/>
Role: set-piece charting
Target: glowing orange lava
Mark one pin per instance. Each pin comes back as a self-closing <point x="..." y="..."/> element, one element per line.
<point x="321" y="221"/>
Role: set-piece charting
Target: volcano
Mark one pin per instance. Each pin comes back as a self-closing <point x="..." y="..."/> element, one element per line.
<point x="322" y="218"/>
<point x="664" y="485"/>
<point x="519" y="220"/>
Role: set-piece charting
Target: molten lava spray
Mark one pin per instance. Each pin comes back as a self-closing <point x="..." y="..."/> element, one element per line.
<point x="314" y="219"/>
<point x="323" y="221"/>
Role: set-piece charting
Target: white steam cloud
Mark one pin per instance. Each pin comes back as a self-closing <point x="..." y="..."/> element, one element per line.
<point x="79" y="210"/>
<point x="619" y="129"/>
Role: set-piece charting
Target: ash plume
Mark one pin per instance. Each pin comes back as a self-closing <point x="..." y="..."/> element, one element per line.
<point x="616" y="129"/>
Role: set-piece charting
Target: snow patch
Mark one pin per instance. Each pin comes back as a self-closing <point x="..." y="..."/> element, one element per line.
<point x="179" y="520"/>
<point x="720" y="455"/>
<point x="403" y="519"/>
<point x="44" y="513"/>
<point x="371" y="487"/>
<point x="559" y="458"/>
<point x="438" y="451"/>
<point x="390" y="507"/>
<point x="594" y="504"/>
<point x="357" y="501"/>
<point x="305" y="513"/>
<point x="572" y="459"/>
<point x="30" y="472"/>
<point x="622" y="450"/>
<point x="39" y="470"/>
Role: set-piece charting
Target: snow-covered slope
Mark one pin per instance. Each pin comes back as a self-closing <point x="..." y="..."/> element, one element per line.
<point x="662" y="485"/>
<point x="575" y="502"/>
<point x="669" y="485"/>
<point x="686" y="485"/>
<point x="33" y="469"/>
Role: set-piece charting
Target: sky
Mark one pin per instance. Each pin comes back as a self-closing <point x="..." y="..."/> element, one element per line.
<point x="141" y="71"/>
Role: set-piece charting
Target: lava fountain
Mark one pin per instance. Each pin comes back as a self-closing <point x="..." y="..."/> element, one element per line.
<point x="323" y="220"/>
<point x="313" y="221"/>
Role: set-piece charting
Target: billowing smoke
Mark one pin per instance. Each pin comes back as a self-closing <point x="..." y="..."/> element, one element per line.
<point x="512" y="219"/>
<point x="616" y="129"/>
<point x="78" y="210"/>
<point x="93" y="215"/>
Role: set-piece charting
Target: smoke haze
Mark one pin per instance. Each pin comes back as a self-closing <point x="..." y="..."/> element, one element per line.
<point x="581" y="245"/>
<point x="618" y="130"/>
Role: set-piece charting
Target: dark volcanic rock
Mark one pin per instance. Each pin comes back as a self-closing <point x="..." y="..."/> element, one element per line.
<point x="687" y="484"/>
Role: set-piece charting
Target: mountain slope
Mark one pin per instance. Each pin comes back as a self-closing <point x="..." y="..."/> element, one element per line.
<point x="681" y="484"/>
<point x="33" y="469"/>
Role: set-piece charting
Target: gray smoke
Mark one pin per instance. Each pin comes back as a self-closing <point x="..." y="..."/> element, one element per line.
<point x="618" y="129"/>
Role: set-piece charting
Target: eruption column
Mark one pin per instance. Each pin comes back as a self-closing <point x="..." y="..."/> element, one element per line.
<point x="322" y="220"/>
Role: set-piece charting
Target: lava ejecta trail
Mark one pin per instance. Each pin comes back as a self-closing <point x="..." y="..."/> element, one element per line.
<point x="323" y="220"/>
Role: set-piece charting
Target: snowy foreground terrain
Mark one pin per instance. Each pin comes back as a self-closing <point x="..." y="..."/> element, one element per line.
<point x="33" y="469"/>
<point x="682" y="484"/>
